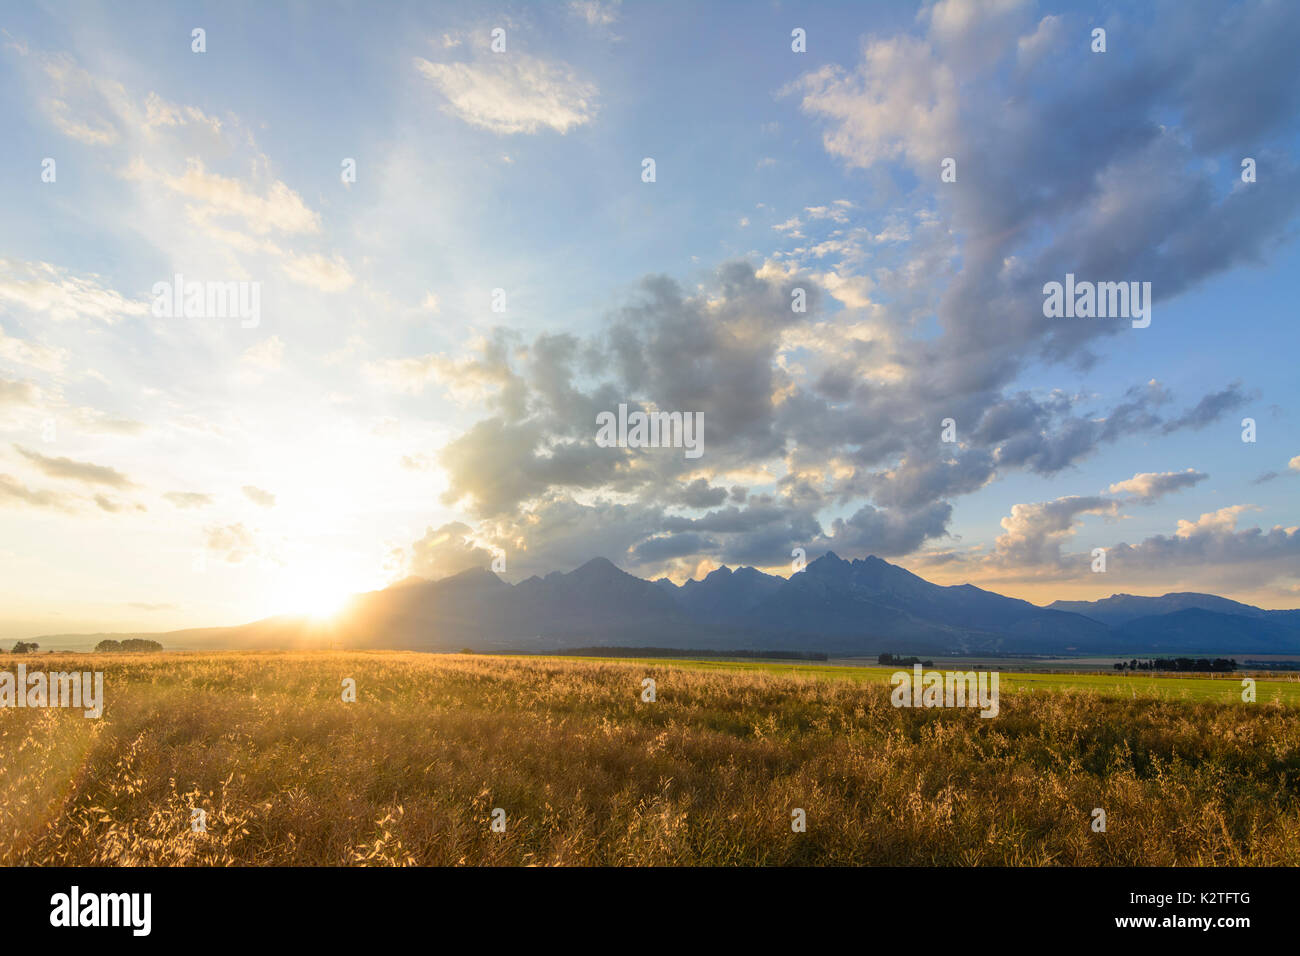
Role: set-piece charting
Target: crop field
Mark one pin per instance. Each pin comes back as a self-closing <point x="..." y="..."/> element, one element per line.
<point x="257" y="759"/>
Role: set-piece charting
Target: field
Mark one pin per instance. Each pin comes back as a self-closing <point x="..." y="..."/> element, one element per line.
<point x="588" y="774"/>
<point x="1224" y="688"/>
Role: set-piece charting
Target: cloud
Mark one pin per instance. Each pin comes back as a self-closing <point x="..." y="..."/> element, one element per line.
<point x="1032" y="47"/>
<point x="1043" y="188"/>
<point x="1208" y="409"/>
<point x="823" y="432"/>
<point x="160" y="113"/>
<point x="1207" y="554"/>
<point x="188" y="499"/>
<point x="81" y="105"/>
<point x="234" y="542"/>
<point x="277" y="209"/>
<point x="595" y="13"/>
<point x="52" y="292"/>
<point x="17" y="394"/>
<point x="1034" y="533"/>
<point x="32" y="354"/>
<point x="12" y="491"/>
<point x="514" y="93"/>
<point x="1246" y="557"/>
<point x="263" y="499"/>
<point x="448" y="550"/>
<point x="1149" y="486"/>
<point x="81" y="471"/>
<point x="328" y="275"/>
<point x="888" y="532"/>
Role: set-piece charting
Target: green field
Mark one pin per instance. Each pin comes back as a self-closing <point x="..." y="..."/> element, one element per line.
<point x="1223" y="688"/>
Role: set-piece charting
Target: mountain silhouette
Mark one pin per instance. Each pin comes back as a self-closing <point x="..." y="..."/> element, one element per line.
<point x="859" y="607"/>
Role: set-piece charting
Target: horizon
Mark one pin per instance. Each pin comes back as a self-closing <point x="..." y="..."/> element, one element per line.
<point x="432" y="277"/>
<point x="406" y="581"/>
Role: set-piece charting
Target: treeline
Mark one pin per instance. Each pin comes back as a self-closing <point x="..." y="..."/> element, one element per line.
<point x="107" y="646"/>
<point x="110" y="646"/>
<point x="687" y="652"/>
<point x="894" y="659"/>
<point x="1219" y="664"/>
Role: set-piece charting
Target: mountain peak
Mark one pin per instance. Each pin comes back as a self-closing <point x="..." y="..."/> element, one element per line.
<point x="600" y="569"/>
<point x="472" y="577"/>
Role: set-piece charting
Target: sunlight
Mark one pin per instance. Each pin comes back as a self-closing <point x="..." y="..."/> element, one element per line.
<point x="318" y="591"/>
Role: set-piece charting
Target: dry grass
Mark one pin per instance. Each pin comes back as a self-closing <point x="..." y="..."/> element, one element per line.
<point x="588" y="774"/>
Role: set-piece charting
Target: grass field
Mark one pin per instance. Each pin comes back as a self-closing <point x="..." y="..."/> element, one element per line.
<point x="1225" y="688"/>
<point x="588" y="774"/>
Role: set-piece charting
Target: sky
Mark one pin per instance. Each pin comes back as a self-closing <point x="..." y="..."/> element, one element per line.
<point x="459" y="259"/>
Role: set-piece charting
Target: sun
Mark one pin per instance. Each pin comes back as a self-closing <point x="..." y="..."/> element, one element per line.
<point x="316" y="592"/>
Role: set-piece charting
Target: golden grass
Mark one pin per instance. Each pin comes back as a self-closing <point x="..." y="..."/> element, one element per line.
<point x="588" y="774"/>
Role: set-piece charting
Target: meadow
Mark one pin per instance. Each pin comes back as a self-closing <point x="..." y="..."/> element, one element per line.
<point x="1225" y="688"/>
<point x="288" y="773"/>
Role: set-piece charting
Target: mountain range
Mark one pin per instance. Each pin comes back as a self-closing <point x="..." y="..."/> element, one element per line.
<point x="865" y="606"/>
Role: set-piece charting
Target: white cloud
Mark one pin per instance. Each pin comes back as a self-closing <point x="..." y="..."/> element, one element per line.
<point x="32" y="354"/>
<point x="1032" y="47"/>
<point x="901" y="101"/>
<point x="54" y="292"/>
<point x="1223" y="521"/>
<point x="514" y="94"/>
<point x="81" y="105"/>
<point x="279" y="209"/>
<point x="328" y="275"/>
<point x="1150" y="485"/>
<point x="596" y="14"/>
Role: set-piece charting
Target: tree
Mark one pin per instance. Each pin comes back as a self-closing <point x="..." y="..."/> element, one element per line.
<point x="110" y="646"/>
<point x="26" y="647"/>
<point x="140" y="644"/>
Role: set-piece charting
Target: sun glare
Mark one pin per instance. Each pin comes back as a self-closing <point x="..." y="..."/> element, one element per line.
<point x="316" y="592"/>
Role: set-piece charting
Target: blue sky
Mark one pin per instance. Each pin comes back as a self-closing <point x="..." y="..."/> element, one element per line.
<point x="381" y="419"/>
